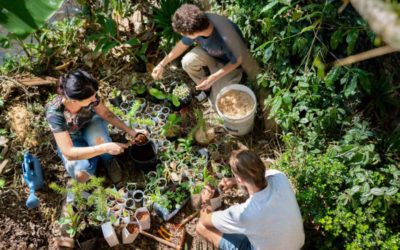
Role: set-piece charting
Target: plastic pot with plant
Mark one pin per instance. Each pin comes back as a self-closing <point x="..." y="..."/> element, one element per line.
<point x="180" y="96"/>
<point x="139" y="89"/>
<point x="109" y="234"/>
<point x="157" y="95"/>
<point x="170" y="202"/>
<point x="115" y="98"/>
<point x="130" y="232"/>
<point x="71" y="222"/>
<point x="172" y="128"/>
<point x="203" y="133"/>
<point x="143" y="217"/>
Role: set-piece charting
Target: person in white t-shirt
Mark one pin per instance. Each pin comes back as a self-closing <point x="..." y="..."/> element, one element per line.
<point x="269" y="219"/>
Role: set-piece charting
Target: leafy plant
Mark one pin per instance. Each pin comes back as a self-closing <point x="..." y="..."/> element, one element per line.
<point x="181" y="91"/>
<point x="107" y="38"/>
<point x="2" y="183"/>
<point x="163" y="20"/>
<point x="72" y="221"/>
<point x="172" y="126"/>
<point x="172" y="198"/>
<point x="21" y="22"/>
<point x="138" y="88"/>
<point x="158" y="94"/>
<point x="96" y="201"/>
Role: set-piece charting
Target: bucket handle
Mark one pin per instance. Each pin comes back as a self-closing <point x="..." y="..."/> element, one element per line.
<point x="232" y="130"/>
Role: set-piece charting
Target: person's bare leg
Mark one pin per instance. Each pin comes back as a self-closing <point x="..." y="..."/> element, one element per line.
<point x="211" y="235"/>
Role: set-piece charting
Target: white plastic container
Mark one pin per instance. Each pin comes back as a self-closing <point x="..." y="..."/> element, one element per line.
<point x="144" y="224"/>
<point x="243" y="125"/>
<point x="127" y="237"/>
<point x="109" y="234"/>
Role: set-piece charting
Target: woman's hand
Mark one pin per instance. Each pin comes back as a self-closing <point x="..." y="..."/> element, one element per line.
<point x="227" y="183"/>
<point x="158" y="71"/>
<point x="114" y="148"/>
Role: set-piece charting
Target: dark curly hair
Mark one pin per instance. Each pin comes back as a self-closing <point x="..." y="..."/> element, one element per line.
<point x="189" y="19"/>
<point x="77" y="85"/>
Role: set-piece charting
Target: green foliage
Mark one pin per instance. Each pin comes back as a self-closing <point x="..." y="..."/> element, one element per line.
<point x="96" y="202"/>
<point x="23" y="17"/>
<point x="163" y="20"/>
<point x="339" y="191"/>
<point x="172" y="125"/>
<point x="346" y="174"/>
<point x="72" y="221"/>
<point x="2" y="183"/>
<point x="172" y="198"/>
<point x="158" y="94"/>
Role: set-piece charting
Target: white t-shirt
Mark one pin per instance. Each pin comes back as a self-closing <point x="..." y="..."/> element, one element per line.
<point x="270" y="218"/>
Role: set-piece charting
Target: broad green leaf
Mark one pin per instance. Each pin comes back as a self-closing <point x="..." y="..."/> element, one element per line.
<point x="110" y="27"/>
<point x="23" y="17"/>
<point x="351" y="87"/>
<point x="2" y="183"/>
<point x="157" y="93"/>
<point x="351" y="40"/>
<point x="268" y="53"/>
<point x="175" y="101"/>
<point x="391" y="191"/>
<point x="377" y="191"/>
<point x="311" y="27"/>
<point x="304" y="120"/>
<point x="107" y="46"/>
<point x="4" y="42"/>
<point x="133" y="41"/>
<point x="269" y="6"/>
<point x="320" y="66"/>
<point x="332" y="77"/>
<point x="336" y="38"/>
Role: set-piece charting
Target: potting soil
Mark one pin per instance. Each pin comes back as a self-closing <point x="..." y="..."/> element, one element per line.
<point x="142" y="216"/>
<point x="235" y="104"/>
<point x="141" y="139"/>
<point x="132" y="228"/>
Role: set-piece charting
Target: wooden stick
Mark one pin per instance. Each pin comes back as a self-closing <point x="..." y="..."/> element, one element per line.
<point x="364" y="56"/>
<point x="37" y="81"/>
<point x="167" y="243"/>
<point x="186" y="220"/>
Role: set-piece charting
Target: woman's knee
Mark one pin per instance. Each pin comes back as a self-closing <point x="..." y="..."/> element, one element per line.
<point x="82" y="176"/>
<point x="97" y="133"/>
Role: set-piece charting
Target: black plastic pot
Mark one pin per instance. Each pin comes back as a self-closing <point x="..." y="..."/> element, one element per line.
<point x="116" y="101"/>
<point x="172" y="138"/>
<point x="145" y="89"/>
<point x="183" y="103"/>
<point x="144" y="157"/>
<point x="140" y="66"/>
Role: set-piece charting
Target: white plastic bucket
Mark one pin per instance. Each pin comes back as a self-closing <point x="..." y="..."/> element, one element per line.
<point x="242" y="125"/>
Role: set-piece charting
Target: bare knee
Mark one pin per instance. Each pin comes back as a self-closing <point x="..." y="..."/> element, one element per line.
<point x="82" y="176"/>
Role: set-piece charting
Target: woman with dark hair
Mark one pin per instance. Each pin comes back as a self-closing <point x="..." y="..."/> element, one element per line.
<point x="77" y="119"/>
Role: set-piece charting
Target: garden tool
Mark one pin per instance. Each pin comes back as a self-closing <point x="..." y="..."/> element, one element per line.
<point x="165" y="242"/>
<point x="186" y="220"/>
<point x="164" y="233"/>
<point x="33" y="176"/>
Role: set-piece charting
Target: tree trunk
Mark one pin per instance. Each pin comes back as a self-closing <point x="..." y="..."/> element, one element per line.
<point x="382" y="19"/>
